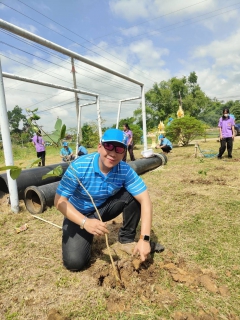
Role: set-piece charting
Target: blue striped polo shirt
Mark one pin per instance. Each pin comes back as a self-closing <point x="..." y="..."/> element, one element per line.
<point x="100" y="186"/>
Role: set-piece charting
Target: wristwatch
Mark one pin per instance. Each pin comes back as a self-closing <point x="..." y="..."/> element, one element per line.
<point x="83" y="222"/>
<point x="145" y="237"/>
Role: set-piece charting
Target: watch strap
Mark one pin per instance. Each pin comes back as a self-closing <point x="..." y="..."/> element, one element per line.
<point x="145" y="237"/>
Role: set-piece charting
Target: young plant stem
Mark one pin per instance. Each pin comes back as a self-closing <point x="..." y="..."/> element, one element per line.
<point x="100" y="218"/>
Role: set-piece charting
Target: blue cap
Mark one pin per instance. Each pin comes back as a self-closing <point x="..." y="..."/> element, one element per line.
<point x="114" y="135"/>
<point x="65" y="144"/>
<point x="161" y="136"/>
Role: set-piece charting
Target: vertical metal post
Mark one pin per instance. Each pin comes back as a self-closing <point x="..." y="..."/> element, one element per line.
<point x="118" y="115"/>
<point x="144" y="121"/>
<point x="75" y="86"/>
<point x="80" y="123"/>
<point x="78" y="128"/>
<point x="99" y="119"/>
<point x="12" y="184"/>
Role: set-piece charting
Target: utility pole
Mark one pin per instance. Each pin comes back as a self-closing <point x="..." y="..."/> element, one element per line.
<point x="76" y="96"/>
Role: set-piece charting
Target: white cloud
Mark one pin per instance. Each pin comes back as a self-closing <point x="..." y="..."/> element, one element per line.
<point x="152" y="9"/>
<point x="127" y="9"/>
<point x="131" y="32"/>
<point x="148" y="55"/>
<point x="53" y="27"/>
<point x="219" y="48"/>
<point x="214" y="20"/>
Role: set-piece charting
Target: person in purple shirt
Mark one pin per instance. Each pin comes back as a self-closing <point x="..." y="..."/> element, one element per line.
<point x="39" y="144"/>
<point x="226" y="128"/>
<point x="129" y="136"/>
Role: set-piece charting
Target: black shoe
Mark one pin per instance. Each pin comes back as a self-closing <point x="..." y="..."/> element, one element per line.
<point x="156" y="247"/>
<point x="229" y="157"/>
<point x="219" y="157"/>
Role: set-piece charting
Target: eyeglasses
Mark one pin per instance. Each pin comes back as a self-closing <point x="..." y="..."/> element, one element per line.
<point x="110" y="147"/>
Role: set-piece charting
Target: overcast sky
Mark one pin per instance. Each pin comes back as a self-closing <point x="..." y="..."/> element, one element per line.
<point x="148" y="40"/>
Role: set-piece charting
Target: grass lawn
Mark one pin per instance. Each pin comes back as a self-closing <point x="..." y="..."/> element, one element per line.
<point x="196" y="204"/>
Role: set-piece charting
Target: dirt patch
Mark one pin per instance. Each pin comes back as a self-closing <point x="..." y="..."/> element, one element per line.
<point x="207" y="181"/>
<point x="4" y="198"/>
<point x="143" y="280"/>
<point x="5" y="206"/>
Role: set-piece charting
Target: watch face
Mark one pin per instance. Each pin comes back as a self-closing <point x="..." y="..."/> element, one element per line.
<point x="146" y="238"/>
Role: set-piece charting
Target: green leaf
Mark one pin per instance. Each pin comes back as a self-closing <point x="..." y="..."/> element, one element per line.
<point x="58" y="124"/>
<point x="56" y="172"/>
<point x="14" y="173"/>
<point x="36" y="161"/>
<point x="35" y="117"/>
<point x="8" y="167"/>
<point x="63" y="132"/>
<point x="48" y="175"/>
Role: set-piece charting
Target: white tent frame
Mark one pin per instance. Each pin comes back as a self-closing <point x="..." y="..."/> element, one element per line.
<point x="3" y="109"/>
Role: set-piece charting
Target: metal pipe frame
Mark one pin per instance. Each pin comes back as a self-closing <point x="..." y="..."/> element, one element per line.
<point x="31" y="36"/>
<point x="79" y="127"/>
<point x="46" y="84"/>
<point x="119" y="107"/>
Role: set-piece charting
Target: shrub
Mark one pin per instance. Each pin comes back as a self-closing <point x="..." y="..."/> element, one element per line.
<point x="185" y="129"/>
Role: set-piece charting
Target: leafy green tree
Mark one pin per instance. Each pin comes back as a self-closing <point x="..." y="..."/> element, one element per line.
<point x="160" y="104"/>
<point x="179" y="86"/>
<point x="185" y="129"/>
<point x="163" y="99"/>
<point x="90" y="135"/>
<point x="15" y="117"/>
<point x="234" y="107"/>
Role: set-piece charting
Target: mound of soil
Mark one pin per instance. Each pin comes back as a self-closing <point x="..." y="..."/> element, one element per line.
<point x="134" y="279"/>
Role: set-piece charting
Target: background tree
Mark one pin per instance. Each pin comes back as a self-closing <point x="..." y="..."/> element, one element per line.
<point x="15" y="117"/>
<point x="90" y="135"/>
<point x="185" y="130"/>
<point x="234" y="107"/>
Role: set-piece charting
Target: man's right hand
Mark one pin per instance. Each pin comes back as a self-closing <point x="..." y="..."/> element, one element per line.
<point x="96" y="227"/>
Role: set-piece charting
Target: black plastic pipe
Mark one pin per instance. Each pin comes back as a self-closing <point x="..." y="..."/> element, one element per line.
<point x="37" y="199"/>
<point x="146" y="164"/>
<point x="31" y="177"/>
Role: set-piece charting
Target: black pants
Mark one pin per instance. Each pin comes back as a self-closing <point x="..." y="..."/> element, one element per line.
<point x="76" y="242"/>
<point x="166" y="149"/>
<point x="130" y="150"/>
<point x="41" y="155"/>
<point x="223" y="143"/>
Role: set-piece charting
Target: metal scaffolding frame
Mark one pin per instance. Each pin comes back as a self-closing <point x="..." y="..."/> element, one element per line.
<point x="73" y="55"/>
<point x="119" y="107"/>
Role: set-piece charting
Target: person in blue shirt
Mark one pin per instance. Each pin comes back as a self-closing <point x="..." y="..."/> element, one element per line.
<point x="115" y="188"/>
<point x="66" y="153"/>
<point x="82" y="150"/>
<point x="164" y="144"/>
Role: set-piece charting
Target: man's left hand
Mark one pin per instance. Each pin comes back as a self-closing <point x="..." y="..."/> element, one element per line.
<point x="143" y="249"/>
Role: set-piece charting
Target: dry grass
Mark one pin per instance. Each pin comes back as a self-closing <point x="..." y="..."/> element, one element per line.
<point x="196" y="217"/>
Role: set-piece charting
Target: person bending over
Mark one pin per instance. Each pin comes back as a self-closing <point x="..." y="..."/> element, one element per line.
<point x="82" y="150"/>
<point x="164" y="144"/>
<point x="115" y="188"/>
<point x="66" y="153"/>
